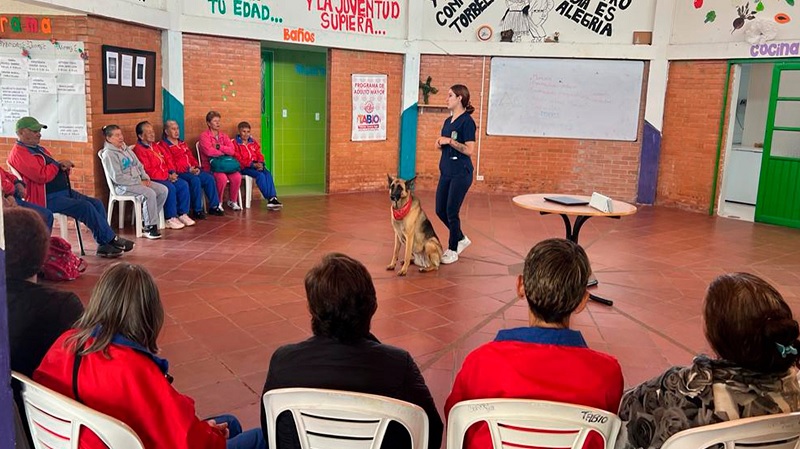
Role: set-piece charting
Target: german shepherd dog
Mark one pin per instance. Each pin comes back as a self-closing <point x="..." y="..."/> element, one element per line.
<point x="412" y="228"/>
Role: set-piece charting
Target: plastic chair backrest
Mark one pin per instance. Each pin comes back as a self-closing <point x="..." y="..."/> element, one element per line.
<point x="197" y="149"/>
<point x="529" y="423"/>
<point x="55" y="420"/>
<point x="764" y="432"/>
<point x="332" y="419"/>
<point x="110" y="183"/>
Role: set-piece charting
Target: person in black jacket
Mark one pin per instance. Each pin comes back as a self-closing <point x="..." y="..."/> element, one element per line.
<point x="344" y="355"/>
<point x="37" y="315"/>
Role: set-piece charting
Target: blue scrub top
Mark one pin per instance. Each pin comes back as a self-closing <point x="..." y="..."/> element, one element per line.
<point x="462" y="130"/>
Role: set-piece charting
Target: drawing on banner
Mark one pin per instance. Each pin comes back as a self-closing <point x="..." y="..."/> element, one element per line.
<point x="141" y="62"/>
<point x="369" y="107"/>
<point x="112" y="68"/>
<point x="525" y="19"/>
<point x="49" y="85"/>
<point x="126" y="70"/>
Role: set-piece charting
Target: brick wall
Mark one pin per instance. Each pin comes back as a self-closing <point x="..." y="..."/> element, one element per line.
<point x="361" y="166"/>
<point x="94" y="32"/>
<point x="522" y="164"/>
<point x="208" y="64"/>
<point x="690" y="134"/>
<point x="118" y="34"/>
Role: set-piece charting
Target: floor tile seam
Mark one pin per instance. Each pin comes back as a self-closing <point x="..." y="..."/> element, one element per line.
<point x="650" y="329"/>
<point x="475" y="329"/>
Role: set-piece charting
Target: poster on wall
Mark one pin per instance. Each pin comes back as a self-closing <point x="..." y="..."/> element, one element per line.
<point x="112" y="68"/>
<point x="47" y="80"/>
<point x="369" y="107"/>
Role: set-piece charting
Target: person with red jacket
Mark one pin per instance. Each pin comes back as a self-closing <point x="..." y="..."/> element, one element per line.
<point x="14" y="192"/>
<point x="248" y="153"/>
<point x="548" y="360"/>
<point x="215" y="143"/>
<point x="108" y="362"/>
<point x="47" y="185"/>
<point x="188" y="169"/>
<point x="158" y="166"/>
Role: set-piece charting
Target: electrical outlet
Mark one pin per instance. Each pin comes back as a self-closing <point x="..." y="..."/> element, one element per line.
<point x="479" y="177"/>
<point x="285" y="113"/>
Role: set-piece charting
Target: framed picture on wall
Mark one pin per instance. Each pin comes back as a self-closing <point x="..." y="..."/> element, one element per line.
<point x="112" y="71"/>
<point x="129" y="81"/>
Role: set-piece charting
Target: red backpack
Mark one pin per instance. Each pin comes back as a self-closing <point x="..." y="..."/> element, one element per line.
<point x="61" y="264"/>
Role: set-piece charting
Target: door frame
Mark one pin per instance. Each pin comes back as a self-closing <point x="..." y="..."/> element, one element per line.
<point x="723" y="117"/>
<point x="267" y="108"/>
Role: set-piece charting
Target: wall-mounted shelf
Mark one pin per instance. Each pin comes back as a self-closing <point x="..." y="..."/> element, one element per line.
<point x="431" y="107"/>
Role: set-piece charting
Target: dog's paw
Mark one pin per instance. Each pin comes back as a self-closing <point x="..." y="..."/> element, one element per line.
<point x="402" y="272"/>
<point x="390" y="267"/>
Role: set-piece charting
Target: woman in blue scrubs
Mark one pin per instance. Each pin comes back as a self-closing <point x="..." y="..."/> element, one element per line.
<point x="457" y="143"/>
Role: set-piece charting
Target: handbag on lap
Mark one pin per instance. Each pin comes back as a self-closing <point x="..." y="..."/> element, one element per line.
<point x="224" y="164"/>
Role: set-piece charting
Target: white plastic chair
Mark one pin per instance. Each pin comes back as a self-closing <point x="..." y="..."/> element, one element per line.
<point x="55" y="420"/>
<point x="247" y="184"/>
<point x="529" y="423"/>
<point x="137" y="200"/>
<point x="61" y="219"/>
<point x="331" y="419"/>
<point x="764" y="432"/>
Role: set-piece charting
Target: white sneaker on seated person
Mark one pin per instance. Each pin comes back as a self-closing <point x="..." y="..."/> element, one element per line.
<point x="174" y="223"/>
<point x="186" y="220"/>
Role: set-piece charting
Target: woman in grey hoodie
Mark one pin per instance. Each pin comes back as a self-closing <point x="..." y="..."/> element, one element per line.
<point x="129" y="178"/>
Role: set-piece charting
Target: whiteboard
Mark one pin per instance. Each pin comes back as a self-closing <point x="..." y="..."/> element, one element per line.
<point x="48" y="82"/>
<point x="572" y="98"/>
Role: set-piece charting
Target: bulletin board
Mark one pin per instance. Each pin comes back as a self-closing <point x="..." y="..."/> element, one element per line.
<point x="129" y="80"/>
<point x="46" y="80"/>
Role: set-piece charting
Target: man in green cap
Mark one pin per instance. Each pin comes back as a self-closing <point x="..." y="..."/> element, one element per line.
<point x="47" y="184"/>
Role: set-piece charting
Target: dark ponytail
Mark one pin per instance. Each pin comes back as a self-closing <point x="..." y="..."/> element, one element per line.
<point x="461" y="90"/>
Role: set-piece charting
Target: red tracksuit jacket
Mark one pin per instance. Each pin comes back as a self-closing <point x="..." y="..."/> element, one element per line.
<point x="130" y="386"/>
<point x="182" y="157"/>
<point x="156" y="161"/>
<point x="556" y="368"/>
<point x="247" y="152"/>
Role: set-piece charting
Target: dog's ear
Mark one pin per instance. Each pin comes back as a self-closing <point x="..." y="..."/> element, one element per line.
<point x="410" y="183"/>
<point x="389" y="177"/>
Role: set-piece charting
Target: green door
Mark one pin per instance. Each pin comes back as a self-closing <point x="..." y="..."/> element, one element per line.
<point x="778" y="199"/>
<point x="266" y="108"/>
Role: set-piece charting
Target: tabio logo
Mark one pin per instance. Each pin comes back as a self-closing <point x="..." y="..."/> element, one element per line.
<point x="297" y="35"/>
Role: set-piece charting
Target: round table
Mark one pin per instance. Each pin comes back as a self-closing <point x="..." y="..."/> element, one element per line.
<point x="537" y="202"/>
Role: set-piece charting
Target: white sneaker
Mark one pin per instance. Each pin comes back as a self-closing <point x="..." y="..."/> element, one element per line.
<point x="189" y="222"/>
<point x="463" y="244"/>
<point x="449" y="257"/>
<point x="233" y="205"/>
<point x="174" y="223"/>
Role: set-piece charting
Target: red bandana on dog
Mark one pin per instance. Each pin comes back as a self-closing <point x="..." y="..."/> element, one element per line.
<point x="401" y="213"/>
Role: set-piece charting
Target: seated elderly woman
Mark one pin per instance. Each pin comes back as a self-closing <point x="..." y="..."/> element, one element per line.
<point x="751" y="329"/>
<point x="344" y="355"/>
<point x="108" y="362"/>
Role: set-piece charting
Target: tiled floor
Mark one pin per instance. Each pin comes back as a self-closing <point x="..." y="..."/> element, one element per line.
<point x="232" y="286"/>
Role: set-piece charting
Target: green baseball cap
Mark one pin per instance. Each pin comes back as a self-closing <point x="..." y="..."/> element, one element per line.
<point x="30" y="123"/>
